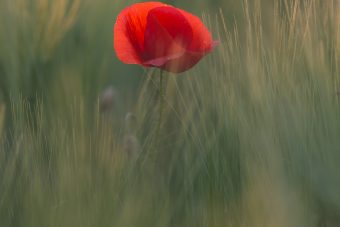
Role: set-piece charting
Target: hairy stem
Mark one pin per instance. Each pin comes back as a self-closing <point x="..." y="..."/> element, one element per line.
<point x="161" y="104"/>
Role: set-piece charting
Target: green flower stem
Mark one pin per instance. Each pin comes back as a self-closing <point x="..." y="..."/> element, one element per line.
<point x="161" y="104"/>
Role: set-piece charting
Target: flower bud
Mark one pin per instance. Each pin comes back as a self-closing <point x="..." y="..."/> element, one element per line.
<point x="131" y="145"/>
<point x="107" y="100"/>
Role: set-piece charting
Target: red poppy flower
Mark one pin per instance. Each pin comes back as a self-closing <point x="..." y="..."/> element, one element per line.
<point x="154" y="34"/>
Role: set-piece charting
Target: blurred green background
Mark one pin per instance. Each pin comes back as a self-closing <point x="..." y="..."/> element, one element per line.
<point x="250" y="136"/>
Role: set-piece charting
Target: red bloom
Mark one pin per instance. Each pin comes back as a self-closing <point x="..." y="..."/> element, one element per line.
<point x="154" y="34"/>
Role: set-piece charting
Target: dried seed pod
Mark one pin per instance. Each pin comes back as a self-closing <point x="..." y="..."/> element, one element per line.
<point x="131" y="145"/>
<point x="107" y="100"/>
<point x="130" y="123"/>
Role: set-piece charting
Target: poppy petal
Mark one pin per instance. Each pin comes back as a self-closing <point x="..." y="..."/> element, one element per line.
<point x="129" y="31"/>
<point x="202" y="39"/>
<point x="184" y="62"/>
<point x="167" y="35"/>
<point x="154" y="34"/>
<point x="159" y="62"/>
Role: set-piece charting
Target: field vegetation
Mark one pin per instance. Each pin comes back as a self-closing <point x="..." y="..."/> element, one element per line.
<point x="249" y="136"/>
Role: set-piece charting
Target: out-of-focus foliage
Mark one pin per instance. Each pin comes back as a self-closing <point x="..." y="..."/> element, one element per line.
<point x="249" y="136"/>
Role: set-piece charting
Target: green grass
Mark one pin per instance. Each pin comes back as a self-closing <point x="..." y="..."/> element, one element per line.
<point x="250" y="136"/>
